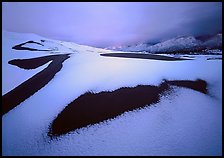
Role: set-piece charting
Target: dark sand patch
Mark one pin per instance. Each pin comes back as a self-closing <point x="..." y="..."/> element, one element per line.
<point x="21" y="47"/>
<point x="187" y="56"/>
<point x="33" y="84"/>
<point x="198" y="85"/>
<point x="142" y="56"/>
<point x="31" y="63"/>
<point x="92" y="108"/>
<point x="214" y="58"/>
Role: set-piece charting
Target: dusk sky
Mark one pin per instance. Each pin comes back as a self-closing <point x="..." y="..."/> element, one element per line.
<point x="112" y="23"/>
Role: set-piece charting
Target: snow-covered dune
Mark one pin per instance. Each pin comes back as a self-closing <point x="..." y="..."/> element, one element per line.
<point x="183" y="122"/>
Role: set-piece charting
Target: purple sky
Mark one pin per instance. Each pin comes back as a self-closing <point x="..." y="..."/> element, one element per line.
<point x="112" y="23"/>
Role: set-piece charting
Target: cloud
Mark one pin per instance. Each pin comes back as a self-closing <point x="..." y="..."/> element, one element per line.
<point x="112" y="23"/>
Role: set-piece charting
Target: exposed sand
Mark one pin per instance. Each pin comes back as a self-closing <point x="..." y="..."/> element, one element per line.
<point x="33" y="84"/>
<point x="92" y="108"/>
<point x="142" y="56"/>
<point x="21" y="47"/>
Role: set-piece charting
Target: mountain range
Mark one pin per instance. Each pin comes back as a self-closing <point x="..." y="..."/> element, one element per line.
<point x="179" y="45"/>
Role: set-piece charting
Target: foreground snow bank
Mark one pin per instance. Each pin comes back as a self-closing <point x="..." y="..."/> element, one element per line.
<point x="170" y="127"/>
<point x="184" y="122"/>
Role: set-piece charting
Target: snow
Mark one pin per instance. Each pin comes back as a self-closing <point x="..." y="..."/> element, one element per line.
<point x="175" y="44"/>
<point x="12" y="75"/>
<point x="162" y="130"/>
<point x="35" y="46"/>
<point x="172" y="44"/>
<point x="184" y="122"/>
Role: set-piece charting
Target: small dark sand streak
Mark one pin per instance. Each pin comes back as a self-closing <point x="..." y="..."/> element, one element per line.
<point x="33" y="84"/>
<point x="142" y="56"/>
<point x="214" y="58"/>
<point x="92" y="108"/>
<point x="21" y="47"/>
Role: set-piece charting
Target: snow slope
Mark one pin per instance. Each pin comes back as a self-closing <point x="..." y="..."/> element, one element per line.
<point x="184" y="122"/>
<point x="13" y="76"/>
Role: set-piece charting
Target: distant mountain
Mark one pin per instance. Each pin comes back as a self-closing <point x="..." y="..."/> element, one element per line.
<point x="182" y="44"/>
<point x="214" y="42"/>
<point x="176" y="44"/>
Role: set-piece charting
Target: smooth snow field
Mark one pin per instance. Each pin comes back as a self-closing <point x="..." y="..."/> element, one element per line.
<point x="183" y="122"/>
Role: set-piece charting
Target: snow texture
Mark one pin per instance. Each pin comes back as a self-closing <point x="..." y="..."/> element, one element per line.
<point x="184" y="122"/>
